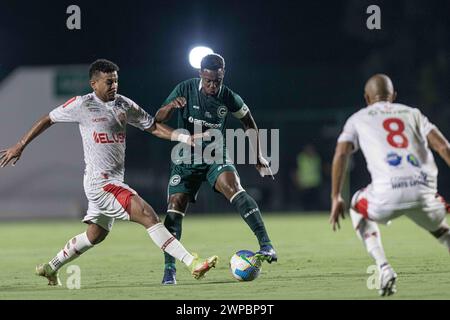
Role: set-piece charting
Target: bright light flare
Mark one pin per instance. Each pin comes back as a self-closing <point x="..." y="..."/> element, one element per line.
<point x="196" y="55"/>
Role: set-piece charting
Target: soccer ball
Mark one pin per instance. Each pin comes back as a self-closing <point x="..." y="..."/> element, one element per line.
<point x="244" y="266"/>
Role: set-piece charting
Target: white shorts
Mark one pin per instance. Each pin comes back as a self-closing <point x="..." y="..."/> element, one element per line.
<point x="108" y="200"/>
<point x="429" y="212"/>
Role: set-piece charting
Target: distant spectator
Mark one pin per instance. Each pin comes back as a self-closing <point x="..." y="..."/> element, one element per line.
<point x="308" y="177"/>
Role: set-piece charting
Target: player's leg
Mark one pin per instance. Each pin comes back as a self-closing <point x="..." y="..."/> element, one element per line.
<point x="184" y="183"/>
<point x="142" y="213"/>
<point x="442" y="234"/>
<point x="176" y="210"/>
<point x="72" y="250"/>
<point x="228" y="183"/>
<point x="432" y="217"/>
<point x="369" y="233"/>
<point x="97" y="230"/>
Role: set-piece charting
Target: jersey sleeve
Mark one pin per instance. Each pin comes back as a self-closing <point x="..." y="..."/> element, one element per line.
<point x="67" y="112"/>
<point x="236" y="105"/>
<point x="424" y="125"/>
<point x="350" y="134"/>
<point x="138" y="117"/>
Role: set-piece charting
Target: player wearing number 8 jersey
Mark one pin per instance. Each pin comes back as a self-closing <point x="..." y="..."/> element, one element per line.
<point x="395" y="140"/>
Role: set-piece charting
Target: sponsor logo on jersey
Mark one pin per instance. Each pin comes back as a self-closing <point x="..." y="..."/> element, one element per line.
<point x="222" y="111"/>
<point x="386" y="112"/>
<point x="204" y="123"/>
<point x="409" y="181"/>
<point x="393" y="159"/>
<point x="91" y="106"/>
<point x="175" y="180"/>
<point x="105" y="138"/>
<point x="196" y="107"/>
<point x="413" y="160"/>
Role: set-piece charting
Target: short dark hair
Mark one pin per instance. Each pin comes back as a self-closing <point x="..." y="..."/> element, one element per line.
<point x="212" y="61"/>
<point x="102" y="65"/>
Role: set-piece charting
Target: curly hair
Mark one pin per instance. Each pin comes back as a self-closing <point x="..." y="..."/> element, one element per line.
<point x="102" y="65"/>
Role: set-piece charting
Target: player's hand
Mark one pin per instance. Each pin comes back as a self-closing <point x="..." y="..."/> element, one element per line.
<point x="337" y="211"/>
<point x="11" y="154"/>
<point x="198" y="138"/>
<point x="263" y="167"/>
<point x="178" y="102"/>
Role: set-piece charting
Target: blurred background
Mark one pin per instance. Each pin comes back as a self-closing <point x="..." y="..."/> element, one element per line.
<point x="300" y="67"/>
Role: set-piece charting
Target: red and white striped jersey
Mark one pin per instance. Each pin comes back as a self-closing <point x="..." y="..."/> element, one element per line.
<point x="103" y="131"/>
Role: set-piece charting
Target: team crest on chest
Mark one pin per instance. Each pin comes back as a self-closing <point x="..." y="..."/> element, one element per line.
<point x="222" y="111"/>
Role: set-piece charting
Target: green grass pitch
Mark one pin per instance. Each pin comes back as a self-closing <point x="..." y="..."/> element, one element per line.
<point x="314" y="262"/>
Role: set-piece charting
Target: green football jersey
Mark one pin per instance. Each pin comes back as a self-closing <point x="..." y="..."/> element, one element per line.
<point x="209" y="112"/>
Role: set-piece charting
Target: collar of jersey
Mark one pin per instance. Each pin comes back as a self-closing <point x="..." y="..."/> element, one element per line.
<point x="108" y="104"/>
<point x="380" y="104"/>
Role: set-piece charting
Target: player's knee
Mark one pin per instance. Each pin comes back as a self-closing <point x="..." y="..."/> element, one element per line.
<point x="147" y="220"/>
<point x="97" y="235"/>
<point x="230" y="190"/>
<point x="234" y="189"/>
<point x="356" y="219"/>
<point x="151" y="216"/>
<point x="100" y="238"/>
<point x="178" y="202"/>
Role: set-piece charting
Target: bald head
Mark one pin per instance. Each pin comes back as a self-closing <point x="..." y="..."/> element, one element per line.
<point x="379" y="88"/>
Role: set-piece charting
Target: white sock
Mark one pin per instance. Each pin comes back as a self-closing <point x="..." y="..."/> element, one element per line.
<point x="168" y="243"/>
<point x="72" y="250"/>
<point x="369" y="233"/>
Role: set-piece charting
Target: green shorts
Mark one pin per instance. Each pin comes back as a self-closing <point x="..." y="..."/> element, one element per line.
<point x="186" y="178"/>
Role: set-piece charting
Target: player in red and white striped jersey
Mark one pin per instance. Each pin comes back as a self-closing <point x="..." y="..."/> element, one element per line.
<point x="395" y="140"/>
<point x="102" y="117"/>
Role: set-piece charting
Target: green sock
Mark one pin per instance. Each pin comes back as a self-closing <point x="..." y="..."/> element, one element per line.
<point x="249" y="211"/>
<point x="172" y="222"/>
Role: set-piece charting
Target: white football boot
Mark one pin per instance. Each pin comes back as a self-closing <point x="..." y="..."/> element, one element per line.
<point x="388" y="278"/>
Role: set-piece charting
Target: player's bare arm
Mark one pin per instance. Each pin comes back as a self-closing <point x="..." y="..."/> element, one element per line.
<point x="165" y="112"/>
<point x="340" y="161"/>
<point x="167" y="133"/>
<point x="440" y="144"/>
<point x="12" y="154"/>
<point x="249" y="123"/>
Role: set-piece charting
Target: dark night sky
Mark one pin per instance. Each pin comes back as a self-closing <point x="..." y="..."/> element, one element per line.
<point x="312" y="45"/>
<point x="279" y="33"/>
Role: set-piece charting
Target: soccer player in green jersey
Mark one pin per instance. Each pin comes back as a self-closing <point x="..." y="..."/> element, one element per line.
<point x="208" y="102"/>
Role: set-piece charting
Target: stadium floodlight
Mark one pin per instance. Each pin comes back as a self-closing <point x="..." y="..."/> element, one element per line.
<point x="196" y="55"/>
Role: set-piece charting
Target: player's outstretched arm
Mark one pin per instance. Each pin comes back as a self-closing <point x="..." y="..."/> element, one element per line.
<point x="262" y="164"/>
<point x="165" y="112"/>
<point x="167" y="133"/>
<point x="12" y="154"/>
<point x="340" y="161"/>
<point x="440" y="144"/>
